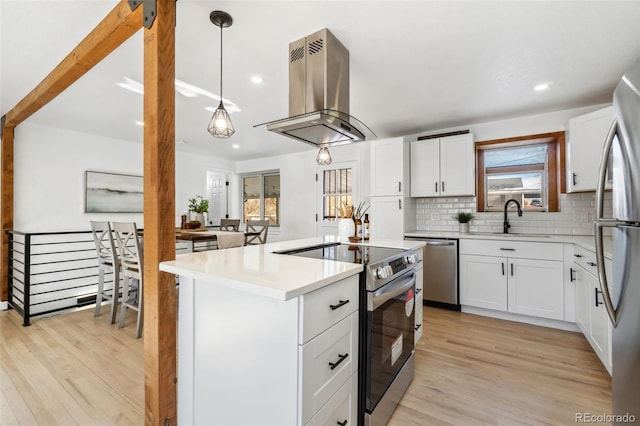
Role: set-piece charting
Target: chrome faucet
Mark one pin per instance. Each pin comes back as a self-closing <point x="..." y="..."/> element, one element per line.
<point x="505" y="224"/>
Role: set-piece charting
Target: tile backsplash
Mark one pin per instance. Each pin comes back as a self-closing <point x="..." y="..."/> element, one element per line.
<point x="576" y="216"/>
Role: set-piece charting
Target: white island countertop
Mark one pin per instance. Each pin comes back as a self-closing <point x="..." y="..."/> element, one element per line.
<point x="256" y="269"/>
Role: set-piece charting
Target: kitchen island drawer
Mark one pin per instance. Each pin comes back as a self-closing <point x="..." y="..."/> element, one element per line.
<point x="327" y="362"/>
<point x="322" y="308"/>
<point x="342" y="407"/>
<point x="514" y="249"/>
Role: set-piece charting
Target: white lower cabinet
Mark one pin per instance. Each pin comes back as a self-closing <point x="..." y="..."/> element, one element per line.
<point x="483" y="282"/>
<point x="246" y="359"/>
<point x="591" y="314"/>
<point x="419" y="329"/>
<point x="342" y="407"/>
<point x="327" y="362"/>
<point x="526" y="281"/>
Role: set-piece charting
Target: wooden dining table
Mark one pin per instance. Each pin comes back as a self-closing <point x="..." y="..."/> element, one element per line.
<point x="192" y="236"/>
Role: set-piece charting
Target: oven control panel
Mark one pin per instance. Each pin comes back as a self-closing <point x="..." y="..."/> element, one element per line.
<point x="388" y="269"/>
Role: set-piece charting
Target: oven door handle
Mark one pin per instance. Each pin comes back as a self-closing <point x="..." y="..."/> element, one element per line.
<point x="391" y="290"/>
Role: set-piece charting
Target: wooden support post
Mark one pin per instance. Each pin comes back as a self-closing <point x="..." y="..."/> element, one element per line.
<point x="6" y="213"/>
<point x="160" y="308"/>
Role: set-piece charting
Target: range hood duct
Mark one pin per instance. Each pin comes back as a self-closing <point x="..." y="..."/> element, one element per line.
<point x="319" y="94"/>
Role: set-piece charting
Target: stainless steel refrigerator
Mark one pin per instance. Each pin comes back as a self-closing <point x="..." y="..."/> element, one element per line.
<point x="621" y="162"/>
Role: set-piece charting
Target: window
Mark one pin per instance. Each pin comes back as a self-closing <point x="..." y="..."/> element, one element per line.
<point x="337" y="192"/>
<point x="261" y="198"/>
<point x="528" y="169"/>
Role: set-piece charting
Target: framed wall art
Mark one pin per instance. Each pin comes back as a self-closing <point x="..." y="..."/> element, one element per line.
<point x="113" y="193"/>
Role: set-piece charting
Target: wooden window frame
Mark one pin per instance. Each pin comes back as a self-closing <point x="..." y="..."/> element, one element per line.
<point x="556" y="173"/>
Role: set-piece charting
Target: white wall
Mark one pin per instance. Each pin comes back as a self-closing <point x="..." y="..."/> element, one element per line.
<point x="49" y="177"/>
<point x="298" y="187"/>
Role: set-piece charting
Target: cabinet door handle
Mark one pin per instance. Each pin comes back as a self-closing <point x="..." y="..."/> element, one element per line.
<point x="399" y="204"/>
<point x="417" y="327"/>
<point x="436" y="186"/>
<point x="502" y="268"/>
<point x="442" y="186"/>
<point x="591" y="264"/>
<point x="399" y="186"/>
<point x="343" y="423"/>
<point x="574" y="178"/>
<point x="341" y="303"/>
<point x="418" y="290"/>
<point x="572" y="277"/>
<point x="341" y="358"/>
<point x="512" y="269"/>
<point x="597" y="291"/>
<point x="577" y="255"/>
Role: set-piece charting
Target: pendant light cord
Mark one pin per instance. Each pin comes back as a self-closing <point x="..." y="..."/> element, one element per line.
<point x="221" y="63"/>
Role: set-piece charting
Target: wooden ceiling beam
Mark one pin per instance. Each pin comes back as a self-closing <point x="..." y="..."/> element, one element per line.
<point x="120" y="24"/>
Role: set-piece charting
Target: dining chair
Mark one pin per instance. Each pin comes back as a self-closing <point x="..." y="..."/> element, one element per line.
<point x="107" y="263"/>
<point x="260" y="226"/>
<point x="131" y="261"/>
<point x="229" y="224"/>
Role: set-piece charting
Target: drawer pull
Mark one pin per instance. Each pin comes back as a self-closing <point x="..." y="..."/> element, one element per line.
<point x="591" y="264"/>
<point x="577" y="255"/>
<point x="597" y="291"/>
<point x="342" y="303"/>
<point x="418" y="290"/>
<point x="343" y="423"/>
<point x="417" y="327"/>
<point x="341" y="358"/>
<point x="507" y="249"/>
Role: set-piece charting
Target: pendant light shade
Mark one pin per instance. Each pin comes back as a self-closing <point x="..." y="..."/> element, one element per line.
<point x="324" y="157"/>
<point x="220" y="125"/>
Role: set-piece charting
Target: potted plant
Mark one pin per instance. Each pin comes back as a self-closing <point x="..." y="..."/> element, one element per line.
<point x="199" y="206"/>
<point x="463" y="219"/>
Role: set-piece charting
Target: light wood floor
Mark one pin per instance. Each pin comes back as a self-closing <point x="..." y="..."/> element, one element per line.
<point x="76" y="369"/>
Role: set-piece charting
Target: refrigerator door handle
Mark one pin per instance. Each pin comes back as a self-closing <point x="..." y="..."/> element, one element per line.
<point x="602" y="222"/>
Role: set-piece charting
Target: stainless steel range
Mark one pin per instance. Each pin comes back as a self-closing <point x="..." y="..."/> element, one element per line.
<point x="387" y="302"/>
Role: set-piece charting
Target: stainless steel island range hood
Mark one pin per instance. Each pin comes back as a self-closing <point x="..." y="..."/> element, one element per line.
<point x="319" y="94"/>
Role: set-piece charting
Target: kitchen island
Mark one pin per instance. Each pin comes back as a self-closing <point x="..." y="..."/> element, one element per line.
<point x="266" y="338"/>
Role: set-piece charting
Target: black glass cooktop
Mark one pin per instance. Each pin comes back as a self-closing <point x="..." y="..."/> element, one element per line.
<point x="345" y="253"/>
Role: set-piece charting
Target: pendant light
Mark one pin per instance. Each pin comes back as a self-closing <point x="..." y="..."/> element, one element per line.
<point x="220" y="125"/>
<point x="324" y="157"/>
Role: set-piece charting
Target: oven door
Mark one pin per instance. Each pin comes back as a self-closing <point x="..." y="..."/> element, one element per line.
<point x="389" y="331"/>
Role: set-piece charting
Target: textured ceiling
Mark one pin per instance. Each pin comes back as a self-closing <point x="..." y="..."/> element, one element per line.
<point x="415" y="65"/>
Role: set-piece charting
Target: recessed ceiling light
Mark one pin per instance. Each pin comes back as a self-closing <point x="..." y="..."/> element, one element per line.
<point x="256" y="79"/>
<point x="140" y="123"/>
<point x="235" y="146"/>
<point x="541" y="87"/>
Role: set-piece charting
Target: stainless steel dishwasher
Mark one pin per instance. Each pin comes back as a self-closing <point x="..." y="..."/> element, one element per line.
<point x="440" y="282"/>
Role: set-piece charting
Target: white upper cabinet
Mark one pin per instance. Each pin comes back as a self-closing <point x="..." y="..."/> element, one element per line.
<point x="389" y="167"/>
<point x="443" y="167"/>
<point x="584" y="149"/>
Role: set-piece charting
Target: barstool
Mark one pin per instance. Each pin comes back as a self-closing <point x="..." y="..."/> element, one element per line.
<point x="107" y="262"/>
<point x="131" y="261"/>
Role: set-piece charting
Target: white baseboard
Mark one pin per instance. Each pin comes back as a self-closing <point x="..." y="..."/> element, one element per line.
<point x="4" y="306"/>
<point x="543" y="322"/>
